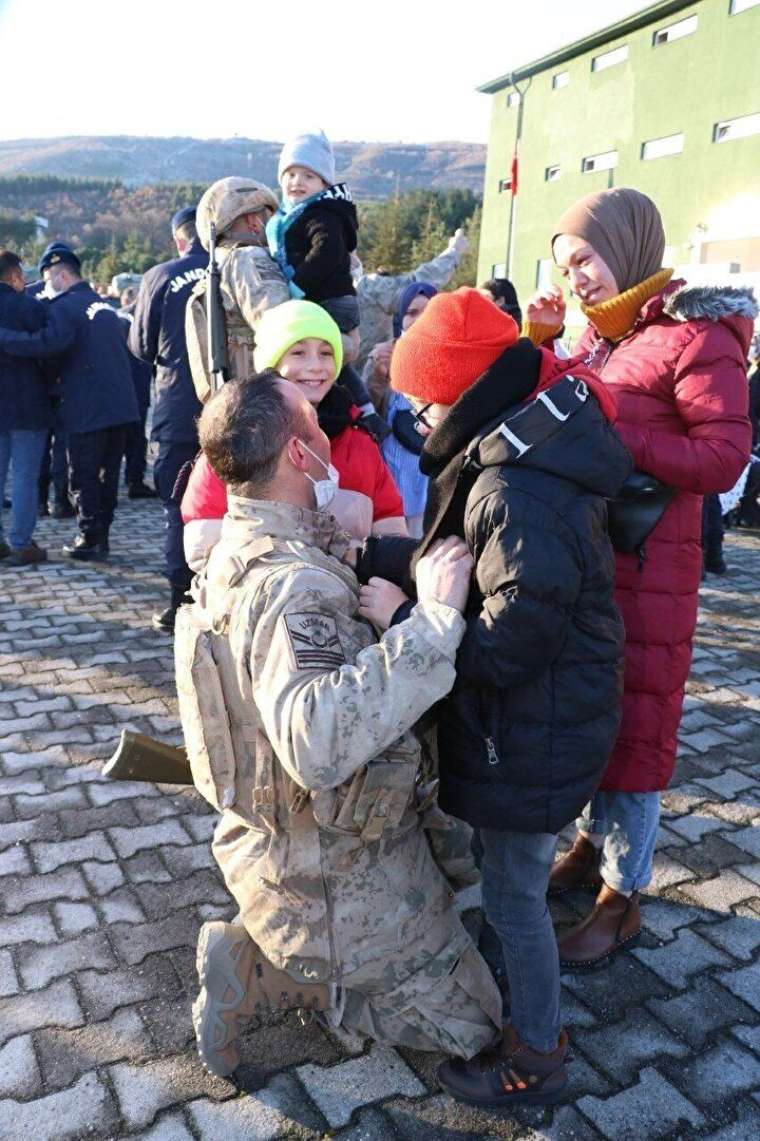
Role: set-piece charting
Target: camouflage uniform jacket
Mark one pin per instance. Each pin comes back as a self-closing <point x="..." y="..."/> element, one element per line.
<point x="299" y="729"/>
<point x="379" y="293"/>
<point x="251" y="282"/>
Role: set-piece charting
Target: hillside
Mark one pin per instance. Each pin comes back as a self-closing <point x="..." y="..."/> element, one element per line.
<point x="374" y="170"/>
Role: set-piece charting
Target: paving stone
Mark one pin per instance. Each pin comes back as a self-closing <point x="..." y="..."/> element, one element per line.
<point x="201" y="827"/>
<point x="17" y="894"/>
<point x="94" y="846"/>
<point x="664" y="918"/>
<point x="35" y="927"/>
<point x="440" y="1118"/>
<point x="19" y="1073"/>
<point x="109" y="791"/>
<point x="9" y="983"/>
<point x="70" y="1114"/>
<point x="677" y="961"/>
<point x="30" y="806"/>
<point x="103" y="878"/>
<point x="643" y="1037"/>
<point x="342" y="1089"/>
<point x="739" y="935"/>
<point x="651" y="1108"/>
<point x="203" y="887"/>
<point x="694" y="827"/>
<point x="748" y="839"/>
<point x="744" y="983"/>
<point x="700" y="1011"/>
<point x="122" y="906"/>
<point x="372" y="1125"/>
<point x="41" y="964"/>
<point x="171" y="1127"/>
<point x="28" y="783"/>
<point x="82" y="821"/>
<point x="134" y="942"/>
<point x="667" y="871"/>
<point x="729" y="784"/>
<point x="720" y="894"/>
<point x="749" y="1036"/>
<point x="280" y="1110"/>
<point x="14" y="861"/>
<point x="746" y="1126"/>
<point x="143" y="1090"/>
<point x="103" y="993"/>
<point x="623" y="985"/>
<point x="75" y="917"/>
<point x="183" y="862"/>
<point x="724" y="1072"/>
<point x="66" y="1054"/>
<point x="57" y="1005"/>
<point x="131" y="840"/>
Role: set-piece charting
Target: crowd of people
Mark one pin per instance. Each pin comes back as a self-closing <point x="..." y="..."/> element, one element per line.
<point x="433" y="588"/>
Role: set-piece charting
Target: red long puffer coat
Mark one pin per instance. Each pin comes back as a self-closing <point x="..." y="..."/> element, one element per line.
<point x="679" y="381"/>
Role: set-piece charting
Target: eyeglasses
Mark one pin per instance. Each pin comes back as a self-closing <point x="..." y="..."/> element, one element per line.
<point x="419" y="417"/>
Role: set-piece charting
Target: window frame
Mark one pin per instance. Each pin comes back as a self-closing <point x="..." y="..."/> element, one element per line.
<point x="623" y="58"/>
<point x="747" y="6"/>
<point x="755" y="115"/>
<point x="564" y="76"/>
<point x="661" y="139"/>
<point x="692" y="20"/>
<point x="549" y="175"/>
<point x="596" y="169"/>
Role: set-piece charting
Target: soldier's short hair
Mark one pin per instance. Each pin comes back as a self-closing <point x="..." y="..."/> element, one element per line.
<point x="8" y="263"/>
<point x="244" y="428"/>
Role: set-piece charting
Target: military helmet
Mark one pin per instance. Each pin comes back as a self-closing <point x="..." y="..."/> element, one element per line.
<point x="228" y="198"/>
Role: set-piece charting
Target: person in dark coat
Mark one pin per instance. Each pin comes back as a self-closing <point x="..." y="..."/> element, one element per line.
<point x="83" y="337"/>
<point x="674" y="358"/>
<point x="54" y="468"/>
<point x="521" y="458"/>
<point x="136" y="447"/>
<point x="25" y="417"/>
<point x="157" y="337"/>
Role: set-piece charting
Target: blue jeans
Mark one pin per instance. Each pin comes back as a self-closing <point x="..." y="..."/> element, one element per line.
<point x="628" y="822"/>
<point x="516" y="868"/>
<point x="23" y="450"/>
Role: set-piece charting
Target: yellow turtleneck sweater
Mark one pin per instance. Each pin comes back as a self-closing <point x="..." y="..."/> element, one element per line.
<point x="614" y="318"/>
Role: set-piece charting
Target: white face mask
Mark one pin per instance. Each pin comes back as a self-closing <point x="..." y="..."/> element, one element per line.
<point x="324" y="489"/>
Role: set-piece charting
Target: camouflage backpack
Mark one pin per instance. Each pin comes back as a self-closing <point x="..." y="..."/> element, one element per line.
<point x="196" y="336"/>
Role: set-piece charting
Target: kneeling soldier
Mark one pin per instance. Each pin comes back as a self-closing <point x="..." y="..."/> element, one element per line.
<point x="298" y="728"/>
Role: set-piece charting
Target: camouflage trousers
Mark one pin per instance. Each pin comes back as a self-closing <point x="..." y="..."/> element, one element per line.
<point x="448" y="1002"/>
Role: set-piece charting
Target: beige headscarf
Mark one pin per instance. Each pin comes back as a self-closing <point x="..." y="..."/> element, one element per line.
<point x="624" y="227"/>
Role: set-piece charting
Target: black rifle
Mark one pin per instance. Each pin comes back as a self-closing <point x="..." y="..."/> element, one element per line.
<point x="216" y="326"/>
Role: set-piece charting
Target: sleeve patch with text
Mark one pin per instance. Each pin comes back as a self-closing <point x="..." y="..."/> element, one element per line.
<point x="314" y="641"/>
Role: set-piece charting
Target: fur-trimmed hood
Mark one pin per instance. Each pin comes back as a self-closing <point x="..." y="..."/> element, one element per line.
<point x="710" y="302"/>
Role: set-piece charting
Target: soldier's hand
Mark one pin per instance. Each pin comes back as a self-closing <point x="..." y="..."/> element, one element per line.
<point x="443" y="574"/>
<point x="379" y="600"/>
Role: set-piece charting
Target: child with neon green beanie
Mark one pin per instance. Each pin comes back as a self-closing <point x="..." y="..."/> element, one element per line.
<point x="302" y="342"/>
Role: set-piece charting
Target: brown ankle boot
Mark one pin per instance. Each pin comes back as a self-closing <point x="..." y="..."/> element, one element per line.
<point x="578" y="868"/>
<point x="614" y="923"/>
<point x="508" y="1074"/>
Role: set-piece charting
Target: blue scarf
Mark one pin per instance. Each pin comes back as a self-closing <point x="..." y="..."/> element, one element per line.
<point x="279" y="224"/>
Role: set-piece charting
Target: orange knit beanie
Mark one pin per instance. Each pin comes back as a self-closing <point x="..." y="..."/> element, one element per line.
<point x="450" y="346"/>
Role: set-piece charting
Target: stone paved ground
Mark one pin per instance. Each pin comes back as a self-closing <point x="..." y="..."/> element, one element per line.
<point x="103" y="887"/>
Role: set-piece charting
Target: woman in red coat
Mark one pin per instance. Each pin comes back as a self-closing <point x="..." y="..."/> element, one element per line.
<point x="674" y="358"/>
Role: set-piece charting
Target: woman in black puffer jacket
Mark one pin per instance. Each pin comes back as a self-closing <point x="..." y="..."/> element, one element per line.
<point x="521" y="458"/>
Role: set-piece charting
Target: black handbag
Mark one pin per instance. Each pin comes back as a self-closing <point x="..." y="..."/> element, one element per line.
<point x="636" y="510"/>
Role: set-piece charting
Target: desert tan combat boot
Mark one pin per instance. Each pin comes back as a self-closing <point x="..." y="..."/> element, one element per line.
<point x="238" y="981"/>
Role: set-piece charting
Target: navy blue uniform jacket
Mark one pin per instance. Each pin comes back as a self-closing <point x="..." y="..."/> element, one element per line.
<point x="157" y="336"/>
<point x="24" y="400"/>
<point x="84" y="335"/>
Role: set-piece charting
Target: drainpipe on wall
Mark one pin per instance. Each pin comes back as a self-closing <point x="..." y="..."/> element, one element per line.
<point x="513" y="204"/>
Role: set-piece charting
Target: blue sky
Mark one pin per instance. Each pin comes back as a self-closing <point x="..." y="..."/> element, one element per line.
<point x="391" y="70"/>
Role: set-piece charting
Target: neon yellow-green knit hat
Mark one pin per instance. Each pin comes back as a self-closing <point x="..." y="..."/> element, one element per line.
<point x="284" y="325"/>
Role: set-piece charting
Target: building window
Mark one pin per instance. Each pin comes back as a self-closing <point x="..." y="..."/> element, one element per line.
<point x="544" y="267"/>
<point x="740" y="128"/>
<point x="609" y="59"/>
<point x="659" y="148"/>
<point x="675" y="31"/>
<point x="561" y="79"/>
<point x="505" y="184"/>
<point x="513" y="99"/>
<point x="499" y="269"/>
<point x="604" y="161"/>
<point x="738" y="6"/>
<point x="551" y="174"/>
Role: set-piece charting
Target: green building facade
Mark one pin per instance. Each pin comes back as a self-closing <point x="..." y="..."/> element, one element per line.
<point x="667" y="101"/>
